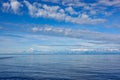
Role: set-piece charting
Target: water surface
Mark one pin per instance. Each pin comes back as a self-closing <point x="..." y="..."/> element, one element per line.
<point x="59" y="67"/>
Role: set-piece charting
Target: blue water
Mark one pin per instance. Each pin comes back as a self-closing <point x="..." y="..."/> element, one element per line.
<point x="59" y="67"/>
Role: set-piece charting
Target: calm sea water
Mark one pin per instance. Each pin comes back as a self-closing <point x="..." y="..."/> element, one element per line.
<point x="59" y="67"/>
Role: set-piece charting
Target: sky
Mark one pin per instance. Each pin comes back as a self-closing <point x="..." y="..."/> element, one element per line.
<point x="59" y="25"/>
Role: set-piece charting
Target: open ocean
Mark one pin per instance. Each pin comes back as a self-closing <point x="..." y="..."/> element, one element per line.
<point x="59" y="67"/>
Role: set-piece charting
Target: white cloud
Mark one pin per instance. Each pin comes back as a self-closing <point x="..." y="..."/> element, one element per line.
<point x="61" y="11"/>
<point x="80" y="49"/>
<point x="32" y="9"/>
<point x="35" y="29"/>
<point x="70" y="10"/>
<point x="6" y="7"/>
<point x="80" y="34"/>
<point x="50" y="8"/>
<point x="74" y="3"/>
<point x="12" y="5"/>
<point x="30" y="50"/>
<point x="91" y="8"/>
<point x="110" y="2"/>
<point x="95" y="49"/>
<point x="66" y="10"/>
<point x="78" y="3"/>
<point x="55" y="12"/>
<point x="53" y="1"/>
<point x="15" y="6"/>
<point x="84" y="19"/>
<point x="52" y="35"/>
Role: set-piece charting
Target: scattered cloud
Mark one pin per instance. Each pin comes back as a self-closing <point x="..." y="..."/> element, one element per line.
<point x="67" y="14"/>
<point x="70" y="10"/>
<point x="55" y="12"/>
<point x="32" y="9"/>
<point x="100" y="6"/>
<point x="115" y="3"/>
<point x="15" y="6"/>
<point x="12" y="5"/>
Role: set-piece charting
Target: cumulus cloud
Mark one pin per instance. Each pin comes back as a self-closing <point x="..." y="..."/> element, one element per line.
<point x="32" y="8"/>
<point x="84" y="19"/>
<point x="65" y="10"/>
<point x="94" y="7"/>
<point x="71" y="10"/>
<point x="15" y="5"/>
<point x="78" y="3"/>
<point x="56" y="12"/>
<point x="12" y="5"/>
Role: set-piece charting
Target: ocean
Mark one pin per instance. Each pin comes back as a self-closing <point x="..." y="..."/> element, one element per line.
<point x="59" y="67"/>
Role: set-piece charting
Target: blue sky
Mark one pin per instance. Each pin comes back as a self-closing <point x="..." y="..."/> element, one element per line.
<point x="57" y="25"/>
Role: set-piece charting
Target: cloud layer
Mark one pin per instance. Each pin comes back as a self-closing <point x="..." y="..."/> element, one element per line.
<point x="80" y="34"/>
